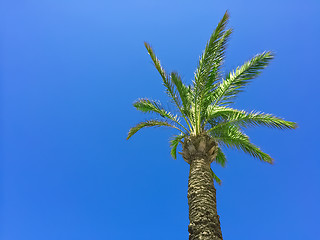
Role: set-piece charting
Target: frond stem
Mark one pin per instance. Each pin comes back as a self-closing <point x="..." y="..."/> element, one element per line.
<point x="181" y="125"/>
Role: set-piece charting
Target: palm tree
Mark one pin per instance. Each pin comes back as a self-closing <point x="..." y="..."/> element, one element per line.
<point x="206" y="123"/>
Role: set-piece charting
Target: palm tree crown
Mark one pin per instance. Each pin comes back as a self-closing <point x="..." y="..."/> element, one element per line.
<point x="203" y="108"/>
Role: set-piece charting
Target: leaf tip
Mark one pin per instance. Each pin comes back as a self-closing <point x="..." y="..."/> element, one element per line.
<point x="294" y="125"/>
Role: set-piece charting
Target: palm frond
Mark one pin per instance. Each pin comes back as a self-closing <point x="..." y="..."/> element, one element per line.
<point x="216" y="114"/>
<point x="232" y="136"/>
<point x="170" y="87"/>
<point x="183" y="91"/>
<point x="245" y="119"/>
<point x="210" y="58"/>
<point x="221" y="158"/>
<point x="207" y="72"/>
<point x="145" y="105"/>
<point x="174" y="142"/>
<point x="214" y="69"/>
<point x="214" y="176"/>
<point x="156" y="61"/>
<point x="237" y="80"/>
<point x="150" y="123"/>
<point x="175" y="89"/>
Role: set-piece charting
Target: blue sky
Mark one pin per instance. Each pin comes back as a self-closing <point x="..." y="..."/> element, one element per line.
<point x="69" y="73"/>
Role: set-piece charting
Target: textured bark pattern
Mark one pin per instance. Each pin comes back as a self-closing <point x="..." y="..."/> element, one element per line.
<point x="204" y="220"/>
<point x="199" y="147"/>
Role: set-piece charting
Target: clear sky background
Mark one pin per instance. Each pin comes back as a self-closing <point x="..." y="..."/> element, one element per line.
<point x="70" y="71"/>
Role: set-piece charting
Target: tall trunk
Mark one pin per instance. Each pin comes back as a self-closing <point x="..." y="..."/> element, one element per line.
<point x="204" y="220"/>
<point x="199" y="152"/>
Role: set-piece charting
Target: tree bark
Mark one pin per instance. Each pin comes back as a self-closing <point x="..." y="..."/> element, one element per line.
<point x="200" y="152"/>
<point x="204" y="220"/>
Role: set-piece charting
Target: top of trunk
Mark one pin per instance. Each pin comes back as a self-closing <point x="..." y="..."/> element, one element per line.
<point x="201" y="146"/>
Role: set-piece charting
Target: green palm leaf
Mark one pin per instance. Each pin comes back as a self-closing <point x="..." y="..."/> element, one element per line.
<point x="174" y="87"/>
<point x="249" y="119"/>
<point x="174" y="142"/>
<point x="170" y="88"/>
<point x="156" y="61"/>
<point x="221" y="158"/>
<point x="216" y="114"/>
<point x="233" y="137"/>
<point x="212" y="55"/>
<point x="146" y="105"/>
<point x="183" y="91"/>
<point x="214" y="72"/>
<point x="150" y="123"/>
<point x="214" y="176"/>
<point x="237" y="80"/>
<point x="207" y="72"/>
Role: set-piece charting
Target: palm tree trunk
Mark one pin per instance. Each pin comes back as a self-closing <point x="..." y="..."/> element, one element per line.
<point x="204" y="220"/>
